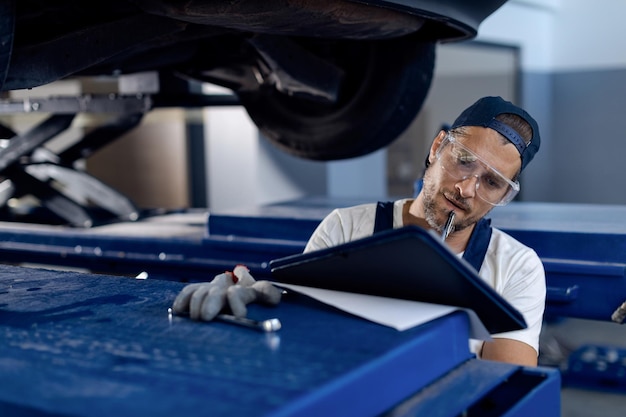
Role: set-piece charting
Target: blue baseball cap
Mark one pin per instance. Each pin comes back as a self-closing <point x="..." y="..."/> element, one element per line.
<point x="483" y="113"/>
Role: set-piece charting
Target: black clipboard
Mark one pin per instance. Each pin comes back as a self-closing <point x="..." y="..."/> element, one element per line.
<point x="409" y="263"/>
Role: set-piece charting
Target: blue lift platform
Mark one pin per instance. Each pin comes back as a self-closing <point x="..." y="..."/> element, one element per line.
<point x="77" y="344"/>
<point x="97" y="342"/>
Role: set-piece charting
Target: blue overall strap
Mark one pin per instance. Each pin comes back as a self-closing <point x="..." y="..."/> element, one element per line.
<point x="476" y="247"/>
<point x="478" y="243"/>
<point x="384" y="216"/>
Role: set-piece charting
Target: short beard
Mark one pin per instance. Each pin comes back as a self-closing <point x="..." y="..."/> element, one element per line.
<point x="430" y="208"/>
<point x="430" y="215"/>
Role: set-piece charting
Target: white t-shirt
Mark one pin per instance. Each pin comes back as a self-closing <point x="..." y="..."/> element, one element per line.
<point x="512" y="269"/>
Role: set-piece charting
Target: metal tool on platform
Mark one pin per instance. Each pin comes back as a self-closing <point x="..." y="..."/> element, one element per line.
<point x="269" y="325"/>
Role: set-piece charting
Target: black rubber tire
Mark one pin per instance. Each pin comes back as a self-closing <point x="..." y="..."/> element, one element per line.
<point x="385" y="87"/>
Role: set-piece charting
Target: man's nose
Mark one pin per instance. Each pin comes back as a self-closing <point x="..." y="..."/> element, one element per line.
<point x="467" y="186"/>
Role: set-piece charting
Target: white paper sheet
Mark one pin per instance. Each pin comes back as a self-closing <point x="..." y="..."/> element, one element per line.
<point x="392" y="312"/>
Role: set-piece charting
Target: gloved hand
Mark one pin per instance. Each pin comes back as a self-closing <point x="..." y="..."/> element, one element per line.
<point x="236" y="289"/>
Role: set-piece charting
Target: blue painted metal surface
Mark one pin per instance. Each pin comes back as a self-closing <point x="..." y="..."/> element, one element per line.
<point x="188" y="253"/>
<point x="80" y="344"/>
<point x="503" y="391"/>
<point x="74" y="344"/>
<point x="583" y="249"/>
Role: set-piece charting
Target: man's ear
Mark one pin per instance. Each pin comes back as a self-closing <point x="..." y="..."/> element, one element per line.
<point x="435" y="145"/>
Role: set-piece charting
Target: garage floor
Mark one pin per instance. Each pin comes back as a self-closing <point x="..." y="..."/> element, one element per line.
<point x="586" y="403"/>
<point x="559" y="340"/>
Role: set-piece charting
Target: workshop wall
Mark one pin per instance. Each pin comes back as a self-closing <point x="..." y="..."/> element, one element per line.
<point x="243" y="169"/>
<point x="148" y="164"/>
<point x="573" y="79"/>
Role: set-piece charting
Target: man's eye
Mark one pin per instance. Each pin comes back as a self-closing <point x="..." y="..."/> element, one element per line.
<point x="494" y="183"/>
<point x="465" y="159"/>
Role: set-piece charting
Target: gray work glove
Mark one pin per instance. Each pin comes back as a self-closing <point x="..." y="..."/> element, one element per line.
<point x="236" y="289"/>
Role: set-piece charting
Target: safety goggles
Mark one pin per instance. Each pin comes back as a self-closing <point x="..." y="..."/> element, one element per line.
<point x="461" y="164"/>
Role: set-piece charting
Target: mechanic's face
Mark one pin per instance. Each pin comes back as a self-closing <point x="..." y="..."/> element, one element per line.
<point x="443" y="193"/>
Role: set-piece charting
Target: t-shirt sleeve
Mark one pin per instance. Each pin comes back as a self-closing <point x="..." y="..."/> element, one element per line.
<point x="328" y="233"/>
<point x="516" y="272"/>
<point x="526" y="291"/>
<point x="343" y="225"/>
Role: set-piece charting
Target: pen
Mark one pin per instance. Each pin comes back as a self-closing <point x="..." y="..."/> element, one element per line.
<point x="448" y="227"/>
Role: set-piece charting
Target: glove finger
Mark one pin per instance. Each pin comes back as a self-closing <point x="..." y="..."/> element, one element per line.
<point x="225" y="279"/>
<point x="213" y="303"/>
<point x="181" y="302"/>
<point x="197" y="300"/>
<point x="238" y="298"/>
<point x="243" y="275"/>
<point x="267" y="293"/>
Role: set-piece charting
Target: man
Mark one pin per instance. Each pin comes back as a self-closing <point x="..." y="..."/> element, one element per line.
<point x="471" y="168"/>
